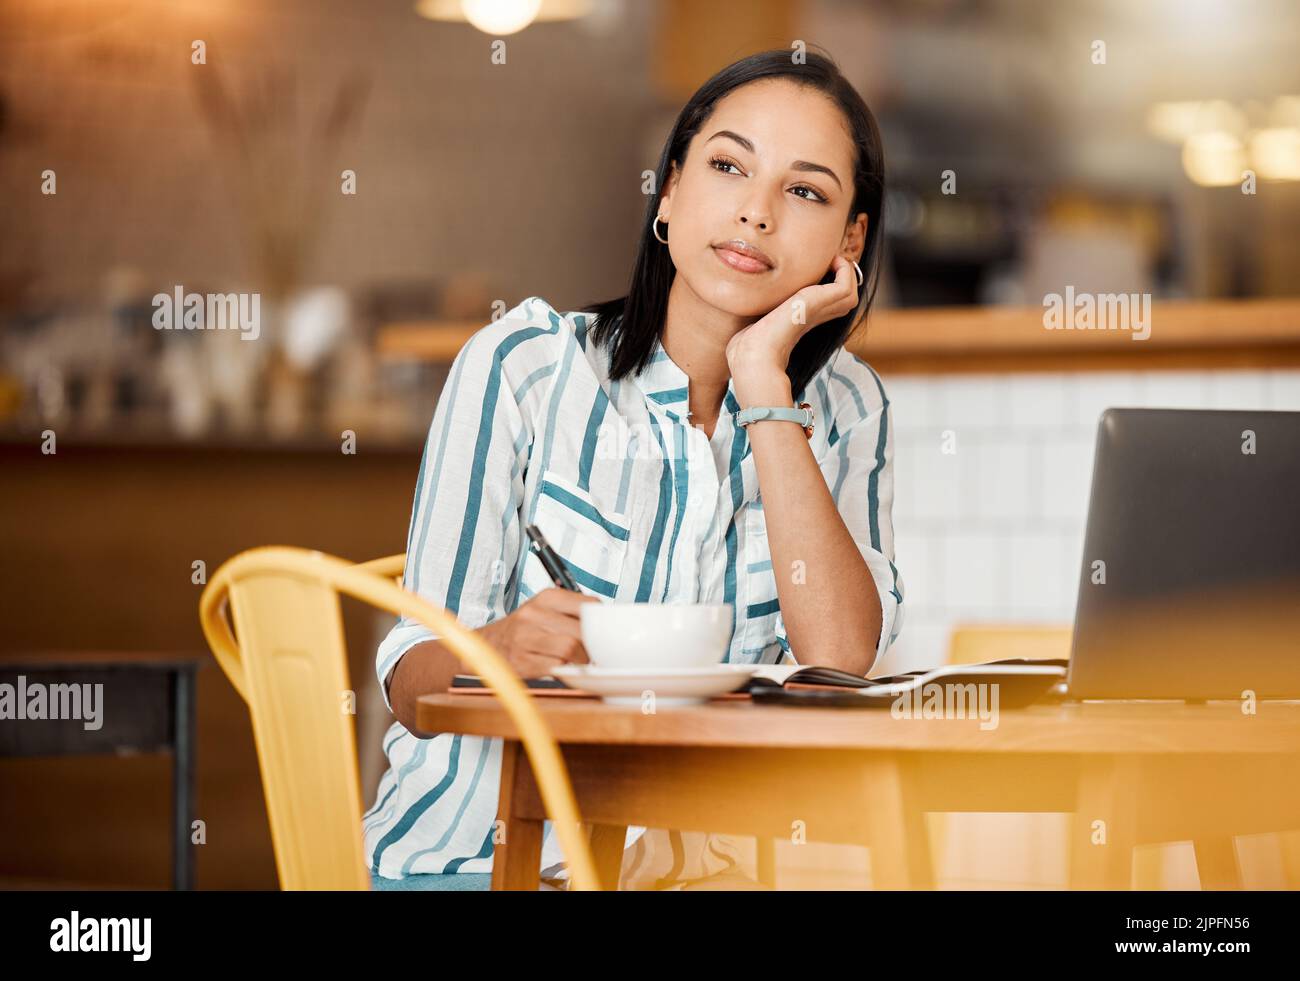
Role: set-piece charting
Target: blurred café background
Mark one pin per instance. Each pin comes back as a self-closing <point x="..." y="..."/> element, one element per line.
<point x="380" y="182"/>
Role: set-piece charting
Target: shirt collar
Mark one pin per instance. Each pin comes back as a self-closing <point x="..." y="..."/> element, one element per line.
<point x="667" y="386"/>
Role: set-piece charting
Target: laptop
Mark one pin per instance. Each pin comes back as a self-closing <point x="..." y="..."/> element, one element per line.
<point x="1190" y="580"/>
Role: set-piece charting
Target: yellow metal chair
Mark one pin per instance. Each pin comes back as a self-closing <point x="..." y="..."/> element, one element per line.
<point x="979" y="643"/>
<point x="286" y="658"/>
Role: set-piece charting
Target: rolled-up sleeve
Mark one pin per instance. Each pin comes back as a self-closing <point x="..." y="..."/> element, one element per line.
<point x="465" y="532"/>
<point x="858" y="467"/>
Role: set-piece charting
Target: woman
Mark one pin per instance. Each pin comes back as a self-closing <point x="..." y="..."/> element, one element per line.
<point x="617" y="430"/>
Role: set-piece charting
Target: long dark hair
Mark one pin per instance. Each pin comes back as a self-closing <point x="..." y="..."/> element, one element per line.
<point x="630" y="325"/>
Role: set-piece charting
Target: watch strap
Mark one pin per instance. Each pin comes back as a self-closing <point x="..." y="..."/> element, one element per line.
<point x="803" y="415"/>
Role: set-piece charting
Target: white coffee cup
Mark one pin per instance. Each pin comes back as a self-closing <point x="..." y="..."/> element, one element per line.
<point x="655" y="635"/>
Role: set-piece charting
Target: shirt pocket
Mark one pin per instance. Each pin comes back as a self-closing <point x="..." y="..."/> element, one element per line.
<point x="585" y="530"/>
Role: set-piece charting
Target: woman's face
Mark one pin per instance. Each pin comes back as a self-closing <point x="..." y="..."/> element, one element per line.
<point x="755" y="173"/>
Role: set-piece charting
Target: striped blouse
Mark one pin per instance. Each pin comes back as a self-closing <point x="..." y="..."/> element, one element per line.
<point x="642" y="506"/>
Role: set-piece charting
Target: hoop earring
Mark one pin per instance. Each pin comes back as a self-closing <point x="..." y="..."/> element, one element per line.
<point x="859" y="272"/>
<point x="655" y="227"/>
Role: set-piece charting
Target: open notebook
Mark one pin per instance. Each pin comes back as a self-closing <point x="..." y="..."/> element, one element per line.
<point x="1033" y="677"/>
<point x="1019" y="682"/>
<point x="782" y="675"/>
<point x="472" y="684"/>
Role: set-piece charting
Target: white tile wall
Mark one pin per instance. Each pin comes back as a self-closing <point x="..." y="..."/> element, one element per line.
<point x="1042" y="569"/>
<point x="976" y="566"/>
<point x="910" y="402"/>
<point x="1039" y="402"/>
<point x="1065" y="475"/>
<point x="1094" y="392"/>
<point x="994" y="531"/>
<point x="1239" y="390"/>
<point x="971" y="401"/>
<point x="1002" y="477"/>
<point x="935" y="479"/>
<point x="1284" y="390"/>
<point x="924" y="582"/>
<point x="1178" y="389"/>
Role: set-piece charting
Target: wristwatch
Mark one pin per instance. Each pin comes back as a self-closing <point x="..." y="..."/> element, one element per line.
<point x="803" y="415"/>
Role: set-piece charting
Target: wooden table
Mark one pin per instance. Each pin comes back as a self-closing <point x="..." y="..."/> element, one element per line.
<point x="147" y="707"/>
<point x="1131" y="772"/>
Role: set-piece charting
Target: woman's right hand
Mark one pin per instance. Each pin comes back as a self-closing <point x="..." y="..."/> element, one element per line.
<point x="542" y="633"/>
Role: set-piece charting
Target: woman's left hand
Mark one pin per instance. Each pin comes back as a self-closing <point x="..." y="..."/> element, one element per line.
<point x="764" y="346"/>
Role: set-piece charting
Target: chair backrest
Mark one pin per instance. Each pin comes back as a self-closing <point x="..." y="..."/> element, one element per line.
<point x="978" y="643"/>
<point x="289" y="664"/>
<point x="295" y="680"/>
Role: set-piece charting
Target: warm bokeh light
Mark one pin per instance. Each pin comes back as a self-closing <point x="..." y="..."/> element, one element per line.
<point x="1219" y="141"/>
<point x="1275" y="153"/>
<point x="1179" y="121"/>
<point x="1214" y="159"/>
<point x="502" y="17"/>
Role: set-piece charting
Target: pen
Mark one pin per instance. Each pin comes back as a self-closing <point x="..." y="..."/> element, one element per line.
<point x="555" y="566"/>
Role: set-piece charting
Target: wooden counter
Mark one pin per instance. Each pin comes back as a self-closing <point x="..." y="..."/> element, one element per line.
<point x="934" y="340"/>
<point x="99" y="541"/>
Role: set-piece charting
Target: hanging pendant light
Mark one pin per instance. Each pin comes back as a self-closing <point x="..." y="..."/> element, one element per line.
<point x="501" y="17"/>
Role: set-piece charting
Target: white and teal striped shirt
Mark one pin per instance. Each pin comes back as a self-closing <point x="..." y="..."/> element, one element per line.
<point x="642" y="506"/>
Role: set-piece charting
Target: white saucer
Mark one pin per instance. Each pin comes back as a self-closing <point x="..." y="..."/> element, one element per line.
<point x="671" y="686"/>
